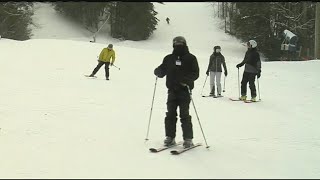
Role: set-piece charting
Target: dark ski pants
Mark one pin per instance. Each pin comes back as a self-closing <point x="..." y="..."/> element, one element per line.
<point x="100" y="64"/>
<point x="181" y="99"/>
<point x="248" y="77"/>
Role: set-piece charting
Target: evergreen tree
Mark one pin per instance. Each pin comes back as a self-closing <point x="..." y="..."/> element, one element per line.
<point x="297" y="17"/>
<point x="89" y="14"/>
<point x="128" y="20"/>
<point x="266" y="21"/>
<point x="140" y="21"/>
<point x="252" y="22"/>
<point x="132" y="20"/>
<point x="15" y="18"/>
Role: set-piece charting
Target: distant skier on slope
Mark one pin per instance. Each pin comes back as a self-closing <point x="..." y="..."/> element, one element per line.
<point x="105" y="59"/>
<point x="168" y="20"/>
<point x="252" y="69"/>
<point x="214" y="67"/>
<point x="181" y="68"/>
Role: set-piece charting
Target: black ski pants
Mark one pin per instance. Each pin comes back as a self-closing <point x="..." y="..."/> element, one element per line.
<point x="100" y="64"/>
<point x="178" y="98"/>
<point x="248" y="77"/>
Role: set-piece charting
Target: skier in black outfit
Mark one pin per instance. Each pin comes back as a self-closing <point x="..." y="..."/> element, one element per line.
<point x="251" y="70"/>
<point x="168" y="20"/>
<point x="181" y="68"/>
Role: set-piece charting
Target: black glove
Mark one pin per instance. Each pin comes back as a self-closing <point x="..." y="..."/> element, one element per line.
<point x="226" y="73"/>
<point x="259" y="74"/>
<point x="158" y="73"/>
<point x="239" y="65"/>
<point x="207" y="73"/>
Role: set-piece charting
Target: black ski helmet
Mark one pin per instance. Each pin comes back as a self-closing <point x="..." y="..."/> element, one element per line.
<point x="179" y="40"/>
<point x="110" y="46"/>
<point x="216" y="47"/>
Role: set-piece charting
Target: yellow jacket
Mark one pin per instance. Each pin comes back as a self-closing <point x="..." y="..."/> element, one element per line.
<point x="106" y="54"/>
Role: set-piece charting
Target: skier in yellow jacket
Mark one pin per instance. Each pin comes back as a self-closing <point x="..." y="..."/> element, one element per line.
<point x="107" y="57"/>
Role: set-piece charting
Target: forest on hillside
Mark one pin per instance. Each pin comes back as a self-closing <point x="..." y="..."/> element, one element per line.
<point x="283" y="30"/>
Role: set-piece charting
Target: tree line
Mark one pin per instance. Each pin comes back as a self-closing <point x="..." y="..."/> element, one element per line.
<point x="127" y="20"/>
<point x="263" y="21"/>
<point x="266" y="21"/>
<point x="15" y="18"/>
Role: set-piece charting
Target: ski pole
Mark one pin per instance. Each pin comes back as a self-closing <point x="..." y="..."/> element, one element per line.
<point x="224" y="84"/>
<point x="116" y="66"/>
<point x="154" y="91"/>
<point x="238" y="84"/>
<point x="204" y="85"/>
<point x="197" y="116"/>
<point x="258" y="89"/>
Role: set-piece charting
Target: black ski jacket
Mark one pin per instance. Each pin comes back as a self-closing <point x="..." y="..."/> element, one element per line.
<point x="176" y="74"/>
<point x="252" y="61"/>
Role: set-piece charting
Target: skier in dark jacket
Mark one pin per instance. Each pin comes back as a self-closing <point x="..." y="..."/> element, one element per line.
<point x="214" y="67"/>
<point x="168" y="20"/>
<point x="252" y="69"/>
<point x="181" y="68"/>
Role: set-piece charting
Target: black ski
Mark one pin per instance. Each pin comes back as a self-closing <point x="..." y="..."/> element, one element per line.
<point x="246" y="101"/>
<point x="235" y="99"/>
<point x="217" y="96"/>
<point x="250" y="101"/>
<point x="207" y="96"/>
<point x="162" y="148"/>
<point x="212" y="96"/>
<point x="180" y="151"/>
<point x="90" y="76"/>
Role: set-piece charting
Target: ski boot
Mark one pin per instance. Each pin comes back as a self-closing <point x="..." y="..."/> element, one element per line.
<point x="253" y="99"/>
<point x="243" y="98"/>
<point x="169" y="141"/>
<point x="212" y="93"/>
<point x="187" y="143"/>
